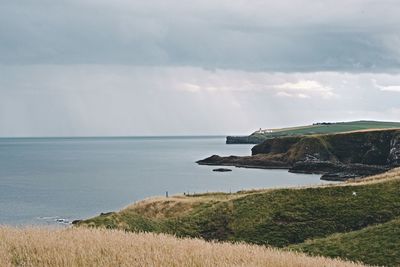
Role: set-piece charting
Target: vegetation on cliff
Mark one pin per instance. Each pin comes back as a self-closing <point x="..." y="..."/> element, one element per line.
<point x="364" y="245"/>
<point x="317" y="128"/>
<point x="279" y="217"/>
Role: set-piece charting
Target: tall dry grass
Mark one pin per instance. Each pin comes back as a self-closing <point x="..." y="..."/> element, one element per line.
<point x="100" y="247"/>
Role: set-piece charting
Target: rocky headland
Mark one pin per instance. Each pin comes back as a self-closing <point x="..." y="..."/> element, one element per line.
<point x="336" y="157"/>
<point x="261" y="135"/>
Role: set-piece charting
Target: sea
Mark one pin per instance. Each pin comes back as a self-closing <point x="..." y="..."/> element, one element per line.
<point x="53" y="181"/>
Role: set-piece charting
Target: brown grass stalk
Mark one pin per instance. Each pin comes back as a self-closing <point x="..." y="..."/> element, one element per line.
<point x="100" y="247"/>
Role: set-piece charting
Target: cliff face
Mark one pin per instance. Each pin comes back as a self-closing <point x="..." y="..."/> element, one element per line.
<point x="394" y="154"/>
<point x="335" y="156"/>
<point x="367" y="147"/>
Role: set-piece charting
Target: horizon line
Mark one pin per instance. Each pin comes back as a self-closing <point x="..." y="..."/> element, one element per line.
<point x="112" y="136"/>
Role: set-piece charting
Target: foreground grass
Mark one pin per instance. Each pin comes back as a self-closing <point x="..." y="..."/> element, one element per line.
<point x="96" y="247"/>
<point x="364" y="245"/>
<point x="279" y="217"/>
<point x="273" y="217"/>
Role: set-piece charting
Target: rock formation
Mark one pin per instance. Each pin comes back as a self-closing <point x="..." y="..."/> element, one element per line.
<point x="335" y="156"/>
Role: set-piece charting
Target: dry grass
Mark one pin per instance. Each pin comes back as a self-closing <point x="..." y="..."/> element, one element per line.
<point x="178" y="205"/>
<point x="164" y="207"/>
<point x="392" y="174"/>
<point x="96" y="247"/>
<point x="161" y="207"/>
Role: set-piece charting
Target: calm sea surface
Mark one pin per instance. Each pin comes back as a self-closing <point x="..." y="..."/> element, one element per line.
<point x="45" y="179"/>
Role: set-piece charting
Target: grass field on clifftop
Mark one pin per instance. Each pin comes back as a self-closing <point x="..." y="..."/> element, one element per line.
<point x="338" y="127"/>
<point x="279" y="217"/>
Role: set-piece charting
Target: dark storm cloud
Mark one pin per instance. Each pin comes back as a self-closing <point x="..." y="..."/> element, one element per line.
<point x="356" y="36"/>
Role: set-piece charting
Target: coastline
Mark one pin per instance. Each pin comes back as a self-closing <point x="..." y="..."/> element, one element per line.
<point x="278" y="217"/>
<point x="337" y="157"/>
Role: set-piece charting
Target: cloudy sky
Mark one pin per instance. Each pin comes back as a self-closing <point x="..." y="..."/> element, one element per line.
<point x="174" y="67"/>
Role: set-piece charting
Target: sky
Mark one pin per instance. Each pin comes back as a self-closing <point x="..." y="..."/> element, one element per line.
<point x="174" y="67"/>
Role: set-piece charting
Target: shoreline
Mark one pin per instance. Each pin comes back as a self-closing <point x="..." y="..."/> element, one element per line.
<point x="329" y="171"/>
<point x="278" y="217"/>
<point x="336" y="156"/>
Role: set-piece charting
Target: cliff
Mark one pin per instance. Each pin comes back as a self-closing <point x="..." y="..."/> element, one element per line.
<point x="336" y="156"/>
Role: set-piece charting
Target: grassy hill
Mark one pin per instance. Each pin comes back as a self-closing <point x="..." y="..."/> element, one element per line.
<point x="279" y="217"/>
<point x="33" y="247"/>
<point x="365" y="245"/>
<point x="320" y="128"/>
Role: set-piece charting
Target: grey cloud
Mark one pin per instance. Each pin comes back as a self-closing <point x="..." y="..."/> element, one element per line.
<point x="132" y="67"/>
<point x="355" y="36"/>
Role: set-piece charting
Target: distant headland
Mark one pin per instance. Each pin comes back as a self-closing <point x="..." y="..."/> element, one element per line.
<point x="337" y="151"/>
<point x="261" y="135"/>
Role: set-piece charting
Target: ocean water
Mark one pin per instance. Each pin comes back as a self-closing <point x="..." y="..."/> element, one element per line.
<point x="46" y="181"/>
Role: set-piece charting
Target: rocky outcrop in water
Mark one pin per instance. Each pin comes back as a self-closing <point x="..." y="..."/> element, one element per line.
<point x="332" y="171"/>
<point x="222" y="170"/>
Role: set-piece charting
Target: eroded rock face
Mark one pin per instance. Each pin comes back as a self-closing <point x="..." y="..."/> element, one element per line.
<point x="336" y="156"/>
<point x="394" y="154"/>
<point x="374" y="155"/>
<point x="332" y="171"/>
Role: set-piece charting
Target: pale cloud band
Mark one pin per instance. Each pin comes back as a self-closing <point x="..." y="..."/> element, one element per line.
<point x="389" y="88"/>
<point x="304" y="89"/>
<point x="259" y="83"/>
<point x="124" y="100"/>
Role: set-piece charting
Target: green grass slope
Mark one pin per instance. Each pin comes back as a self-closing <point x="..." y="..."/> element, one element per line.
<point x="374" y="245"/>
<point x="338" y="127"/>
<point x="279" y="217"/>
